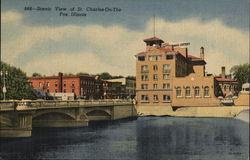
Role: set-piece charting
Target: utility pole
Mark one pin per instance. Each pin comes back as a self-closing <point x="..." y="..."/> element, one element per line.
<point x="3" y="76"/>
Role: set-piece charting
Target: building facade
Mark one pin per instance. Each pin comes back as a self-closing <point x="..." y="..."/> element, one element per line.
<point x="125" y="87"/>
<point x="166" y="75"/>
<point x="83" y="86"/>
<point x="227" y="85"/>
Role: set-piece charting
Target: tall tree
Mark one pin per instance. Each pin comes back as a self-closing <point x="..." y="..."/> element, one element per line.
<point x="16" y="83"/>
<point x="241" y="73"/>
<point x="105" y="76"/>
<point x="36" y="75"/>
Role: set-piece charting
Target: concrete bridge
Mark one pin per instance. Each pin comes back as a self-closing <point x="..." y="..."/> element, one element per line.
<point x="18" y="117"/>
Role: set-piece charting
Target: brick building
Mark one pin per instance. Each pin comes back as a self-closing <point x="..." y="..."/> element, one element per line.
<point x="125" y="87"/>
<point x="83" y="86"/>
<point x="166" y="75"/>
<point x="227" y="85"/>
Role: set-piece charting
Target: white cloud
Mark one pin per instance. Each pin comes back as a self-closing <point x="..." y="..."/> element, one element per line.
<point x="64" y="62"/>
<point x="112" y="48"/>
<point x="11" y="16"/>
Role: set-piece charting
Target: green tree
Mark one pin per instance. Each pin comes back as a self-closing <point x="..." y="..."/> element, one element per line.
<point x="241" y="73"/>
<point x="105" y="76"/>
<point x="115" y="77"/>
<point x="36" y="75"/>
<point x="82" y="73"/>
<point x="131" y="77"/>
<point x="16" y="83"/>
<point x="69" y="74"/>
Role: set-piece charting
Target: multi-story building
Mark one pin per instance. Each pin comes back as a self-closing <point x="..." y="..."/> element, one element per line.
<point x="127" y="87"/>
<point x="166" y="75"/>
<point x="83" y="86"/>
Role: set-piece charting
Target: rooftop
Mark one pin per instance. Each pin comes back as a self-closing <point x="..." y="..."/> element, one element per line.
<point x="225" y="79"/>
<point x="153" y="39"/>
<point x="193" y="58"/>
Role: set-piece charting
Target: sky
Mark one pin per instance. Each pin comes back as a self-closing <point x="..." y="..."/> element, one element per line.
<point x="47" y="43"/>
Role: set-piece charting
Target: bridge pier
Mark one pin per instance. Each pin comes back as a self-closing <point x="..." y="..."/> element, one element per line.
<point x="17" y="125"/>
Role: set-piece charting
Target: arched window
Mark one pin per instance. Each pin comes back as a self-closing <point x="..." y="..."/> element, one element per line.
<point x="206" y="91"/>
<point x="178" y="91"/>
<point x="187" y="92"/>
<point x="197" y="91"/>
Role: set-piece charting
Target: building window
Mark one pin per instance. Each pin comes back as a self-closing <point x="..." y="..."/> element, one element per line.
<point x="64" y="84"/>
<point x="178" y="91"/>
<point x="206" y="91"/>
<point x="56" y="84"/>
<point x="225" y="88"/>
<point x="155" y="86"/>
<point x="155" y="77"/>
<point x="144" y="77"/>
<point x="166" y="98"/>
<point x="141" y="58"/>
<point x="169" y="56"/>
<point x="144" y="86"/>
<point x="197" y="91"/>
<point x="144" y="68"/>
<point x="64" y="90"/>
<point x="40" y="84"/>
<point x="73" y="90"/>
<point x="155" y="98"/>
<point x="56" y="90"/>
<point x="155" y="67"/>
<point x="144" y="98"/>
<point x="187" y="90"/>
<point x="72" y="83"/>
<point x="47" y="84"/>
<point x="166" y="86"/>
<point x="154" y="58"/>
<point x="166" y="76"/>
<point x="166" y="68"/>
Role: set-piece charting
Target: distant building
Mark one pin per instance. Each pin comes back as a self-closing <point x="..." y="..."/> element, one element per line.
<point x="167" y="75"/>
<point x="126" y="88"/>
<point x="243" y="97"/>
<point x="228" y="86"/>
<point x="83" y="86"/>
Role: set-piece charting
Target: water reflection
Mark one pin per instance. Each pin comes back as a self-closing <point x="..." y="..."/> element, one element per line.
<point x="192" y="138"/>
<point x="166" y="138"/>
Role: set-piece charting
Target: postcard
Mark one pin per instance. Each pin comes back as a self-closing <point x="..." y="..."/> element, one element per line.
<point x="124" y="80"/>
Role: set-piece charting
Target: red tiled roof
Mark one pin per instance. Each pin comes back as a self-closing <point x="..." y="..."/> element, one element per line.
<point x="152" y="39"/>
<point x="225" y="80"/>
<point x="141" y="53"/>
<point x="193" y="58"/>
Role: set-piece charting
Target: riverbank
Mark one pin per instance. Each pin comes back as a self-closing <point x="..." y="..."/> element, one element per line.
<point x="217" y="111"/>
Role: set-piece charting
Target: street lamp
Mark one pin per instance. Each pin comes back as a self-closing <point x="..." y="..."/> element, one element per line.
<point x="3" y="75"/>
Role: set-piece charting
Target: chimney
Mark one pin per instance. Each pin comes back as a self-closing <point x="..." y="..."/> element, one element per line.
<point x="60" y="83"/>
<point x="223" y="72"/>
<point x="186" y="52"/>
<point x="202" y="53"/>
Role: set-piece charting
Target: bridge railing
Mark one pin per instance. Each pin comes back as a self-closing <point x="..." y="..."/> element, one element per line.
<point x="56" y="103"/>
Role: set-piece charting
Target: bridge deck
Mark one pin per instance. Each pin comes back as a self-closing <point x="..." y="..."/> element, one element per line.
<point x="31" y="105"/>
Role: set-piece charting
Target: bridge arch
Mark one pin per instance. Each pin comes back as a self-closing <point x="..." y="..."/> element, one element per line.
<point x="44" y="114"/>
<point x="98" y="114"/>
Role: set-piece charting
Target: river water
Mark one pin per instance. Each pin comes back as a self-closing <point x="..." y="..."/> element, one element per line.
<point x="147" y="138"/>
